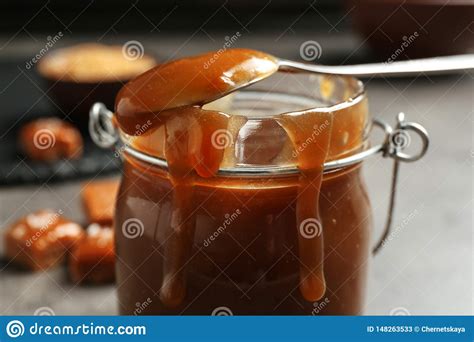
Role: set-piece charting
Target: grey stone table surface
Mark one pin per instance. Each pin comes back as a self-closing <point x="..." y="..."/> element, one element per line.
<point x="425" y="268"/>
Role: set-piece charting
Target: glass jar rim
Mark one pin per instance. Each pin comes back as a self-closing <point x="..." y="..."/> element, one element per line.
<point x="357" y="95"/>
<point x="351" y="101"/>
<point x="354" y="94"/>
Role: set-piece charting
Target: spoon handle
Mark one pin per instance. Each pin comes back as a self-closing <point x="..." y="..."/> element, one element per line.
<point x="434" y="65"/>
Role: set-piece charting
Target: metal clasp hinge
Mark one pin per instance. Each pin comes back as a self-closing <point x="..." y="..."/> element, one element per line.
<point x="101" y="127"/>
<point x="396" y="141"/>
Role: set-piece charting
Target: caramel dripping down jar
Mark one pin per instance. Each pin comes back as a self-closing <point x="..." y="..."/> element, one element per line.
<point x="243" y="254"/>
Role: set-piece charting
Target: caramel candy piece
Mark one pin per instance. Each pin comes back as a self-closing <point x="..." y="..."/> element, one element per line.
<point x="98" y="198"/>
<point x="93" y="259"/>
<point x="41" y="240"/>
<point x="50" y="139"/>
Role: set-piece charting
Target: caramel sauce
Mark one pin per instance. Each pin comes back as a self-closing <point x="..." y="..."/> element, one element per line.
<point x="171" y="96"/>
<point x="188" y="151"/>
<point x="311" y="166"/>
<point x="192" y="81"/>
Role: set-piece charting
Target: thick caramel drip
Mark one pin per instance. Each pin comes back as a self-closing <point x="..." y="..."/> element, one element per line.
<point x="312" y="150"/>
<point x="190" y="151"/>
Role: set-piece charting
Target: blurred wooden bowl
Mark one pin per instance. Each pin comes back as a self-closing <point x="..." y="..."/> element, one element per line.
<point x="78" y="76"/>
<point x="404" y="29"/>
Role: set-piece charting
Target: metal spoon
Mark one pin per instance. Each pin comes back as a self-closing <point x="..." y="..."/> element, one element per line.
<point x="427" y="66"/>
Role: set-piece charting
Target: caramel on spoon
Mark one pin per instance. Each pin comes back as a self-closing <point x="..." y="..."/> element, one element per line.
<point x="191" y="81"/>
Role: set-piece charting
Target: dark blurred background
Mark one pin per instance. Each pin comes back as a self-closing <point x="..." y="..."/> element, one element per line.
<point x="445" y="26"/>
<point x="105" y="21"/>
<point x="426" y="269"/>
<point x="181" y="15"/>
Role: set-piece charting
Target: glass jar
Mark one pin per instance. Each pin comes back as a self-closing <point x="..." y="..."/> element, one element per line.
<point x="242" y="254"/>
